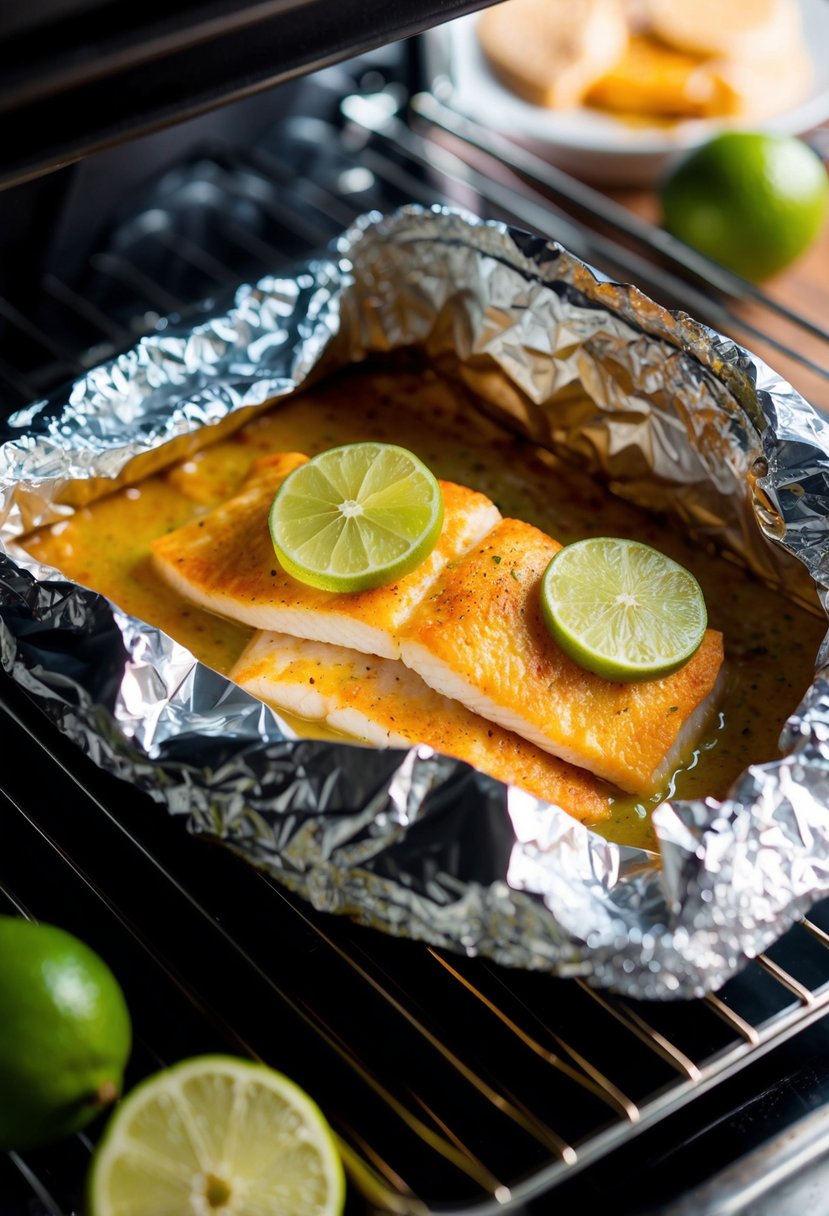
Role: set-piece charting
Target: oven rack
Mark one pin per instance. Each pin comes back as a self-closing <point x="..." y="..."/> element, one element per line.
<point x="452" y="1084"/>
<point x="446" y="1079"/>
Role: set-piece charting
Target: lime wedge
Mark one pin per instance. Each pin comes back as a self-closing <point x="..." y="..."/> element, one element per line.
<point x="356" y="517"/>
<point x="622" y="609"/>
<point x="216" y="1133"/>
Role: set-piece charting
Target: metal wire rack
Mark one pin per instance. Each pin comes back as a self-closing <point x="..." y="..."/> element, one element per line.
<point x="453" y="1085"/>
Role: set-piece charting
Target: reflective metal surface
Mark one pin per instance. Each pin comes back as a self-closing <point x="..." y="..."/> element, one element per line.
<point x="419" y="1056"/>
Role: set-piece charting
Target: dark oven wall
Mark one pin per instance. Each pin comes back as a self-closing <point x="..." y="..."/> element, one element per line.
<point x="223" y="181"/>
<point x="77" y="76"/>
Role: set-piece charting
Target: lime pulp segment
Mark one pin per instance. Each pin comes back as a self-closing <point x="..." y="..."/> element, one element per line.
<point x="622" y="609"/>
<point x="217" y="1133"/>
<point x="356" y="517"/>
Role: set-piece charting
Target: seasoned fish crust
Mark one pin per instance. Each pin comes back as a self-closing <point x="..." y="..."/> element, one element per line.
<point x="383" y="703"/>
<point x="225" y="563"/>
<point x="467" y="621"/>
<point x="479" y="637"/>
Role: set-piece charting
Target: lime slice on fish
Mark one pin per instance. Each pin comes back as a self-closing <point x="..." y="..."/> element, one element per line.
<point x="356" y="517"/>
<point x="622" y="609"/>
<point x="216" y="1133"/>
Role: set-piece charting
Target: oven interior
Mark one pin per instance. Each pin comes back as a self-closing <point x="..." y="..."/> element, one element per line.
<point x="453" y="1085"/>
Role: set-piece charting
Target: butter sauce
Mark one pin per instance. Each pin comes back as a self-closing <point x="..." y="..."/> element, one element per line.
<point x="770" y="643"/>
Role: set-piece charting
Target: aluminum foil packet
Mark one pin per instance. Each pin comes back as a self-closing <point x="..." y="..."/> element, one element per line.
<point x="671" y="415"/>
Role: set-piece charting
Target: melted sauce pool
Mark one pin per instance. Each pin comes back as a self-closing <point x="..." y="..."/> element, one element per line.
<point x="770" y="644"/>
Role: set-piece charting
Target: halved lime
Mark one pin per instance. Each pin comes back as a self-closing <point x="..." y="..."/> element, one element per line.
<point x="217" y="1133"/>
<point x="356" y="517"/>
<point x="622" y="609"/>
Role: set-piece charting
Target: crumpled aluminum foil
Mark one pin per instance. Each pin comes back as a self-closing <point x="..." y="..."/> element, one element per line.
<point x="670" y="414"/>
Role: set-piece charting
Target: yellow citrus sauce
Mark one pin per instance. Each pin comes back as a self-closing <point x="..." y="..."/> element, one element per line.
<point x="770" y="643"/>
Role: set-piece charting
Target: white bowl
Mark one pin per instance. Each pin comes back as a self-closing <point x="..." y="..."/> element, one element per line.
<point x="600" y="147"/>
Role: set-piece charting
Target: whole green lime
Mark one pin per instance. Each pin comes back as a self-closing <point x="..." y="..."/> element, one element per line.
<point x="66" y="1033"/>
<point x="753" y="202"/>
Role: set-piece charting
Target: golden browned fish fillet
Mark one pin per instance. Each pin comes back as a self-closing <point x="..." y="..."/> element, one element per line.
<point x="382" y="703"/>
<point x="467" y="621"/>
<point x="479" y="638"/>
<point x="225" y="563"/>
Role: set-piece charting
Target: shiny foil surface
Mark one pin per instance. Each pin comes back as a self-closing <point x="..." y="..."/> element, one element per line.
<point x="671" y="415"/>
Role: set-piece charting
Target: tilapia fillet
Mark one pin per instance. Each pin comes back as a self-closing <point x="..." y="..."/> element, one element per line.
<point x="383" y="703"/>
<point x="479" y="637"/>
<point x="225" y="563"/>
<point x="467" y="621"/>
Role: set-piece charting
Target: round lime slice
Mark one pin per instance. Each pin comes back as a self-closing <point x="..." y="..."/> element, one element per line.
<point x="216" y="1133"/>
<point x="356" y="517"/>
<point x="622" y="609"/>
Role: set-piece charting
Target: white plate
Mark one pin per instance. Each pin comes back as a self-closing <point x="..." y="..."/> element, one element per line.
<point x="598" y="146"/>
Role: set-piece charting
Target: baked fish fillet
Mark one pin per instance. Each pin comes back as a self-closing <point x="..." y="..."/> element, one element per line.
<point x="225" y="562"/>
<point x="479" y="638"/>
<point x="467" y="621"/>
<point x="381" y="702"/>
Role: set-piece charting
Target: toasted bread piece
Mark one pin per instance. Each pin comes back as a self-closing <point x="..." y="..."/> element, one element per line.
<point x="550" y="52"/>
<point x="755" y="89"/>
<point x="732" y="29"/>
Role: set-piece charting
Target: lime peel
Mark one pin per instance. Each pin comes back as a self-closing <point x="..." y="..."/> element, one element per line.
<point x="66" y="1034"/>
<point x="752" y="201"/>
<point x="356" y="517"/>
<point x="622" y="609"/>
